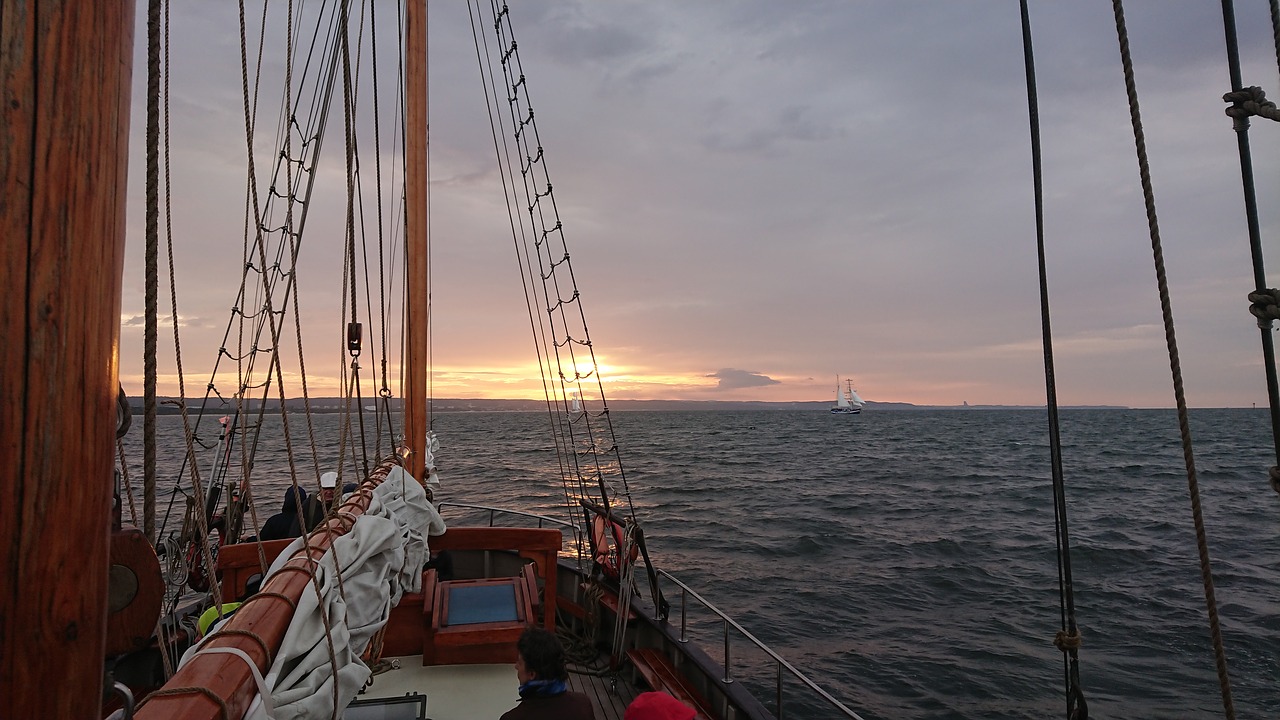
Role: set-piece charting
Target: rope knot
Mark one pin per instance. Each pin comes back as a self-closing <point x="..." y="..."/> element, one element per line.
<point x="1067" y="642"/>
<point x="1265" y="305"/>
<point x="1248" y="102"/>
<point x="1275" y="478"/>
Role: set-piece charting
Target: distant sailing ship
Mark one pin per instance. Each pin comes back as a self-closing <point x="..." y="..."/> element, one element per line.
<point x="847" y="400"/>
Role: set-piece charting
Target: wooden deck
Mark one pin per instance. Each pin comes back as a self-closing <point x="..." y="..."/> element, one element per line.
<point x="466" y="692"/>
<point x="609" y="699"/>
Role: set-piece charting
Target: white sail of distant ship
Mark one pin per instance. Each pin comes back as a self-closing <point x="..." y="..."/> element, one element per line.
<point x="576" y="406"/>
<point x="847" y="400"/>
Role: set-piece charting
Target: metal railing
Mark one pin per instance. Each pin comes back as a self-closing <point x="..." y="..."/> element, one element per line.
<point x="685" y="591"/>
<point x="781" y="663"/>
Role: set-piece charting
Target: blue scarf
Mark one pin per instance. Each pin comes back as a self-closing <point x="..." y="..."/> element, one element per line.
<point x="542" y="688"/>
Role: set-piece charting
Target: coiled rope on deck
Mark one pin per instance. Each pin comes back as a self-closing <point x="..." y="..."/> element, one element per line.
<point x="1175" y="366"/>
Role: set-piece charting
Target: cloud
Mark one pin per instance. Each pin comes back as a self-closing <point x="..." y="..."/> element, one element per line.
<point x="812" y="188"/>
<point x="165" y="320"/>
<point x="731" y="379"/>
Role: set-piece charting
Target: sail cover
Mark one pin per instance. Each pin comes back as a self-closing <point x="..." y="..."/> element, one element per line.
<point x="380" y="559"/>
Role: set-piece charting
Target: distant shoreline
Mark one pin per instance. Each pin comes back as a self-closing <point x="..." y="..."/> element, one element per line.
<point x="443" y="405"/>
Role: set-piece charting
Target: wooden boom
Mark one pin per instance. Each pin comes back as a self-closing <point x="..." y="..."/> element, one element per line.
<point x="204" y="686"/>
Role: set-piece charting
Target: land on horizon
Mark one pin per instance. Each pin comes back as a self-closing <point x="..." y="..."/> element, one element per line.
<point x="338" y="404"/>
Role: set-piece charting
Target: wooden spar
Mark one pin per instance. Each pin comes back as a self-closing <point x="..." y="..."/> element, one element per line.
<point x="64" y="113"/>
<point x="416" y="236"/>
<point x="190" y="693"/>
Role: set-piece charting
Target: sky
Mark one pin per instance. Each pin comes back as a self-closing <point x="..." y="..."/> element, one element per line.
<point x="760" y="196"/>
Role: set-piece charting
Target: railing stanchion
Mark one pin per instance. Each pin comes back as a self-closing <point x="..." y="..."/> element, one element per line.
<point x="684" y="618"/>
<point x="782" y="664"/>
<point x="779" y="689"/>
<point x="728" y="673"/>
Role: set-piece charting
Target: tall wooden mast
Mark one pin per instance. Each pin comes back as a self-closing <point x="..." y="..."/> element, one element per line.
<point x="416" y="419"/>
<point x="64" y="119"/>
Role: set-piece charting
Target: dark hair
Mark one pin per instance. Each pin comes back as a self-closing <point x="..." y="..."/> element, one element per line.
<point x="542" y="654"/>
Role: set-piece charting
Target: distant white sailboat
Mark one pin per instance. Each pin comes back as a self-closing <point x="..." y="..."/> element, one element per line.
<point x="847" y="400"/>
<point x="576" y="406"/>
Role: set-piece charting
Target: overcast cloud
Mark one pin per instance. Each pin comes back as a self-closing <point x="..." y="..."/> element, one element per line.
<point x="805" y="189"/>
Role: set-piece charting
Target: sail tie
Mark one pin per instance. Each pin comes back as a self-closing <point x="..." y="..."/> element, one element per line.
<point x="223" y="711"/>
<point x="262" y="644"/>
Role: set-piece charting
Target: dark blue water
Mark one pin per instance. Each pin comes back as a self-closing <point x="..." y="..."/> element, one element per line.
<point x="905" y="560"/>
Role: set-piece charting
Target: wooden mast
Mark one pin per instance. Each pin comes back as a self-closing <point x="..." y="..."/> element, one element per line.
<point x="64" y="113"/>
<point x="416" y="419"/>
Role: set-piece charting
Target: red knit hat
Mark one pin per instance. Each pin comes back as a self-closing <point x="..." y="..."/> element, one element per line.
<point x="658" y="706"/>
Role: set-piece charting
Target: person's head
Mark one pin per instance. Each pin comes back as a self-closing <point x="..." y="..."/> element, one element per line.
<point x="539" y="656"/>
<point x="293" y="496"/>
<point x="658" y="706"/>
<point x="328" y="487"/>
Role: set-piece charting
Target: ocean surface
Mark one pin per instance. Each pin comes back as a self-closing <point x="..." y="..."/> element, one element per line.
<point x="904" y="560"/>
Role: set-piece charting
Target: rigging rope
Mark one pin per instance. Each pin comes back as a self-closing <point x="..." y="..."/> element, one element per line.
<point x="1068" y="638"/>
<point x="1275" y="28"/>
<point x="589" y="452"/>
<point x="1175" y="367"/>
<point x="152" y="271"/>
<point x="128" y="485"/>
<point x="564" y="455"/>
<point x="1244" y="103"/>
<point x="153" y="132"/>
<point x="364" y="246"/>
<point x="384" y="392"/>
<point x="626" y="589"/>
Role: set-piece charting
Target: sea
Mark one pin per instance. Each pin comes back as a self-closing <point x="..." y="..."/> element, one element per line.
<point x="905" y="560"/>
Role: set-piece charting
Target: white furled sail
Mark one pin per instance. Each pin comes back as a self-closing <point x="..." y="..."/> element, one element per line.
<point x="361" y="577"/>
